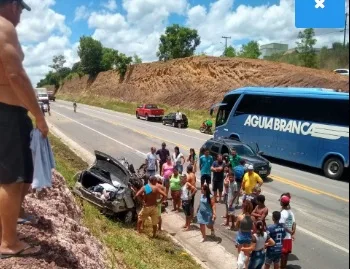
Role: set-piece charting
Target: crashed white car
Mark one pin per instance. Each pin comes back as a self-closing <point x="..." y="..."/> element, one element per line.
<point x="111" y="185"/>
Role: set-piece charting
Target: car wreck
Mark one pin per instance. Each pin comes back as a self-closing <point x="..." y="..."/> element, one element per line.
<point x="111" y="184"/>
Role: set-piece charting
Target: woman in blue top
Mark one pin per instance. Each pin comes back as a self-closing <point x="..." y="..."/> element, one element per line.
<point x="206" y="213"/>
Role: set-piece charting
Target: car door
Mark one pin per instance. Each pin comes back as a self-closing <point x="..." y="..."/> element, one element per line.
<point x="170" y="118"/>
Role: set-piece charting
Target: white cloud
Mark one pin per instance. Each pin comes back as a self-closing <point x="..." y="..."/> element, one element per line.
<point x="43" y="33"/>
<point x="81" y="13"/>
<point x="110" y="5"/>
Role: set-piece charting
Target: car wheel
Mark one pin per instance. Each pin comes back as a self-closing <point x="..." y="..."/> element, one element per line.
<point x="147" y="119"/>
<point x="333" y="168"/>
<point x="129" y="217"/>
<point x="137" y="116"/>
<point x="163" y="122"/>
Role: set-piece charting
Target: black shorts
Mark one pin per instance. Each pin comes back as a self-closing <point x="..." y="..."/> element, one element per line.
<point x="16" y="161"/>
<point x="187" y="208"/>
<point x="218" y="185"/>
<point x="206" y="179"/>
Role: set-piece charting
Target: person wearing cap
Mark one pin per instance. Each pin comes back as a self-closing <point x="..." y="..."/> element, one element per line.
<point x="288" y="221"/>
<point x="162" y="154"/>
<point x="17" y="97"/>
<point x="251" y="180"/>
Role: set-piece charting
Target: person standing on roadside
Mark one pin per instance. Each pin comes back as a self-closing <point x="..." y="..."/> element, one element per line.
<point x="167" y="171"/>
<point x="239" y="172"/>
<point x="218" y="177"/>
<point x="151" y="194"/>
<point x="163" y="155"/>
<point x="205" y="163"/>
<point x="187" y="192"/>
<point x="17" y="97"/>
<point x="251" y="180"/>
<point x="178" y="160"/>
<point x="178" y="118"/>
<point x="288" y="221"/>
<point x="234" y="158"/>
<point x="175" y="188"/>
<point x="151" y="162"/>
<point x="193" y="159"/>
<point x="191" y="178"/>
<point x="277" y="232"/>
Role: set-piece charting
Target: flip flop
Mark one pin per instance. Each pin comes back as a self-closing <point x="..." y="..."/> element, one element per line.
<point x="21" y="254"/>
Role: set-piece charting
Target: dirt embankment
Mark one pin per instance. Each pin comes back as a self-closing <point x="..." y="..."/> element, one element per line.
<point x="64" y="241"/>
<point x="198" y="82"/>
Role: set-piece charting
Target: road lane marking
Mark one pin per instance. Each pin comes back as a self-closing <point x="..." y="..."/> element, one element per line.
<point x="143" y="154"/>
<point x="100" y="133"/>
<point x="139" y="121"/>
<point x="277" y="178"/>
<point x="307" y="188"/>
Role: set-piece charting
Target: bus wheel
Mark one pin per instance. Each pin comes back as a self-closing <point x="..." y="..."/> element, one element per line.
<point x="333" y="168"/>
<point x="234" y="137"/>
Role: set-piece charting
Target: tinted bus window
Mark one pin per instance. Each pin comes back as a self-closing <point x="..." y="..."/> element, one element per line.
<point x="325" y="111"/>
<point x="224" y="111"/>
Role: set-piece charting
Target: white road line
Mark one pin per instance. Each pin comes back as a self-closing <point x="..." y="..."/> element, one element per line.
<point x="143" y="155"/>
<point x="114" y="114"/>
<point x="322" y="239"/>
<point x="100" y="133"/>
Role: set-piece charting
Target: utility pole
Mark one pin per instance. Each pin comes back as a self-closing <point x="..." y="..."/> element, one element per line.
<point x="226" y="37"/>
<point x="345" y="28"/>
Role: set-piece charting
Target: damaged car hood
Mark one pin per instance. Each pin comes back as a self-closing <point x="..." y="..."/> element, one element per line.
<point x="113" y="171"/>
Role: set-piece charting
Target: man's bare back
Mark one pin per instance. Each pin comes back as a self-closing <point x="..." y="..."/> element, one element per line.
<point x="191" y="178"/>
<point x="15" y="86"/>
<point x="151" y="199"/>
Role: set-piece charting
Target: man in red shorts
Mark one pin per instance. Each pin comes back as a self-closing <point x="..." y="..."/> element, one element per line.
<point x="288" y="220"/>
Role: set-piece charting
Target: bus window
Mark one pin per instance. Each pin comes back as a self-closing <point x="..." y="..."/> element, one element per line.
<point x="224" y="111"/>
<point x="260" y="105"/>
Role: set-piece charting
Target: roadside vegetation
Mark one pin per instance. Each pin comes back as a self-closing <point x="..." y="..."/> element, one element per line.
<point x="127" y="249"/>
<point x="195" y="117"/>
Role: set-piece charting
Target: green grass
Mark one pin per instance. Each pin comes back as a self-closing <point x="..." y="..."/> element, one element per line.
<point x="195" y="117"/>
<point x="127" y="249"/>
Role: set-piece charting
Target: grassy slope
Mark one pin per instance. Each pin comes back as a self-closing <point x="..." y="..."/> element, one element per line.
<point x="195" y="117"/>
<point x="127" y="248"/>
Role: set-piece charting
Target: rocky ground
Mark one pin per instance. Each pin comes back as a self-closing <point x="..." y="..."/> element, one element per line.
<point x="199" y="82"/>
<point x="65" y="242"/>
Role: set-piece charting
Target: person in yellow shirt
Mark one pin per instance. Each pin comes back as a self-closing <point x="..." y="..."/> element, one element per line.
<point x="251" y="180"/>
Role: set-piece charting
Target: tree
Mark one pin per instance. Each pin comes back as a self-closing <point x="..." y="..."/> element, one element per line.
<point x="51" y="78"/>
<point x="109" y="58"/>
<point x="230" y="52"/>
<point x="57" y="62"/>
<point x="63" y="72"/>
<point x="90" y="53"/>
<point x="306" y="49"/>
<point x="177" y="42"/>
<point x="250" y="50"/>
<point x="76" y="67"/>
<point x="137" y="59"/>
<point x="122" y="64"/>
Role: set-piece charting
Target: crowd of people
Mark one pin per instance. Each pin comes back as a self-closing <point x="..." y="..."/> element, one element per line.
<point x="227" y="180"/>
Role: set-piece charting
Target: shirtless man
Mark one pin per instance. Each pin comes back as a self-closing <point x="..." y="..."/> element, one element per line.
<point x="159" y="201"/>
<point x="17" y="97"/>
<point x="151" y="193"/>
<point x="191" y="178"/>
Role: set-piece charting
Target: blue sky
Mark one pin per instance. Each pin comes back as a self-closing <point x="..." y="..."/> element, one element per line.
<point x="134" y="26"/>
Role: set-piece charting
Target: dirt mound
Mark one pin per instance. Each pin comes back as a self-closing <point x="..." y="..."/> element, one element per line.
<point x="64" y="241"/>
<point x="198" y="82"/>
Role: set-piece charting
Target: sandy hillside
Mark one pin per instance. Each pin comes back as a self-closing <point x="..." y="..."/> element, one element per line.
<point x="198" y="82"/>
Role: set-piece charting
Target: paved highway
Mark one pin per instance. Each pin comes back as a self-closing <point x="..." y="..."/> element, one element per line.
<point x="321" y="205"/>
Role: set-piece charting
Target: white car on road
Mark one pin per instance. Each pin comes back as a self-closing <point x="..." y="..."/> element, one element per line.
<point x="343" y="72"/>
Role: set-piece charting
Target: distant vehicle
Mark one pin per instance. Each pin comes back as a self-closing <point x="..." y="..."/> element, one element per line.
<point x="170" y="119"/>
<point x="309" y="126"/>
<point x="253" y="157"/>
<point x="42" y="95"/>
<point x="149" y="111"/>
<point x="52" y="96"/>
<point x="343" y="72"/>
<point x="117" y="174"/>
<point x="204" y="129"/>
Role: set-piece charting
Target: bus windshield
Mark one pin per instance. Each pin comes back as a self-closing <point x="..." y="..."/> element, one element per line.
<point x="225" y="110"/>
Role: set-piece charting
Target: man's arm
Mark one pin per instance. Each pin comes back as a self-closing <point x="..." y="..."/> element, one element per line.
<point x="140" y="192"/>
<point x="17" y="76"/>
<point x="162" y="192"/>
